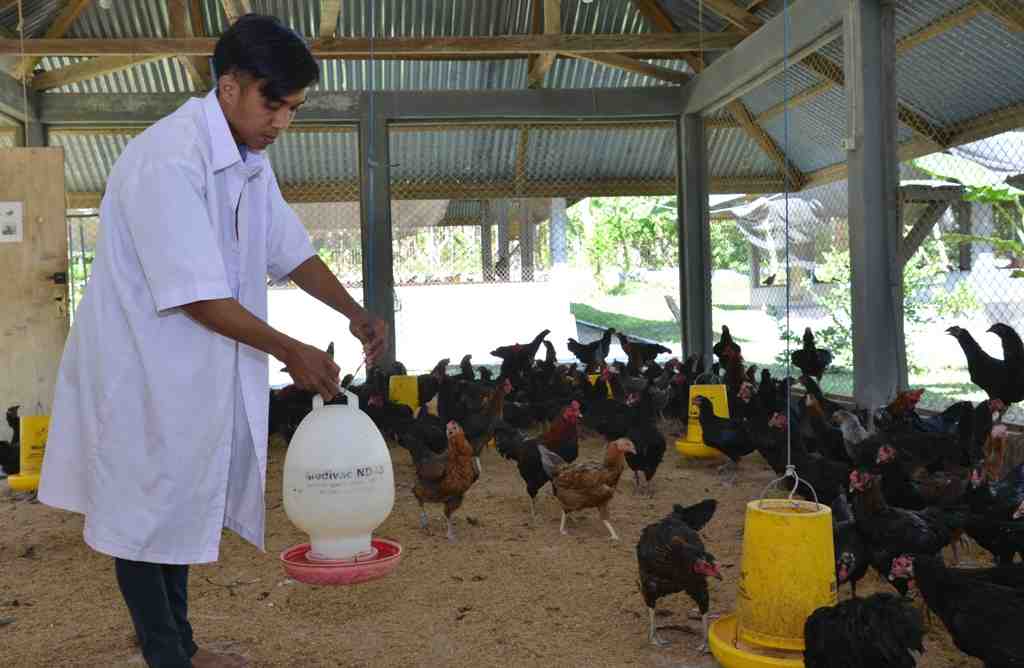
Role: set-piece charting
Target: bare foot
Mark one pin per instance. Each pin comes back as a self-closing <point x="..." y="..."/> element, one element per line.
<point x="204" y="658"/>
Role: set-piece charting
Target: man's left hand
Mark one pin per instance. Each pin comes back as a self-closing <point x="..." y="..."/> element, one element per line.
<point x="372" y="332"/>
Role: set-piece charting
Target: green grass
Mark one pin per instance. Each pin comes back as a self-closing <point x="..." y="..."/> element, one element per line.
<point x="655" y="330"/>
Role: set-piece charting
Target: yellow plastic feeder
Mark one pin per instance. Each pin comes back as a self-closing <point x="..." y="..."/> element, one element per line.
<point x="787" y="572"/>
<point x="692" y="444"/>
<point x="593" y="381"/>
<point x="34" y="431"/>
<point x="404" y="390"/>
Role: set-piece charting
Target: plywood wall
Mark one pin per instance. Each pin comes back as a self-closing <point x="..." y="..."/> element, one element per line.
<point x="33" y="308"/>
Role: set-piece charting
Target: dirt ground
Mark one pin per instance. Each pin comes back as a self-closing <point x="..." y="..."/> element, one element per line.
<point x="505" y="594"/>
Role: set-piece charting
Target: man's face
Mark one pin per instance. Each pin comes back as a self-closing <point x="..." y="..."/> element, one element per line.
<point x="254" y="120"/>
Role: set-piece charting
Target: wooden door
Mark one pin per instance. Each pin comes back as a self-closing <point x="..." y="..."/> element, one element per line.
<point x="33" y="276"/>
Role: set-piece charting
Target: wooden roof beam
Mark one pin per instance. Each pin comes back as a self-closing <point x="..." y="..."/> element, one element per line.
<point x="547" y="18"/>
<point x="794" y="177"/>
<point x="329" y="12"/>
<point x="659" y="20"/>
<point x="638" y="67"/>
<point x="67" y="16"/>
<point x="87" y="69"/>
<point x="235" y="9"/>
<point x="183" y="23"/>
<point x="1012" y="16"/>
<point x="440" y="48"/>
<point x="925" y="34"/>
<point x="826" y="69"/>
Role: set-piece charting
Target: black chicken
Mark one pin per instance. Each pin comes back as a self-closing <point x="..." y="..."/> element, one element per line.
<point x="881" y="631"/>
<point x="812" y="361"/>
<point x="671" y="558"/>
<point x="639" y="353"/>
<point x="517" y="358"/>
<point x="593" y="354"/>
<point x="649" y="442"/>
<point x="851" y="552"/>
<point x="466" y="371"/>
<point x="983" y="617"/>
<point x="728" y="436"/>
<point x="10" y="451"/>
<point x="426" y="429"/>
<point x="1000" y="379"/>
<point x="895" y="530"/>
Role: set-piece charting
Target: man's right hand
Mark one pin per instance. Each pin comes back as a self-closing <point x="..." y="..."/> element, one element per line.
<point x="312" y="369"/>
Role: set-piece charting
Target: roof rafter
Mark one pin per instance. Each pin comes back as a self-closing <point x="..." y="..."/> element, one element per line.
<point x="1012" y="16"/>
<point x="87" y="69"/>
<point x="637" y="66"/>
<point x="440" y="48"/>
<point x="659" y="21"/>
<point x="329" y="12"/>
<point x="547" y="19"/>
<point x="180" y="12"/>
<point x="827" y="70"/>
<point x="235" y="9"/>
<point x="61" y="24"/>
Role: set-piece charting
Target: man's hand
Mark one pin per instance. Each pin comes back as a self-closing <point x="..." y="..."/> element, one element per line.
<point x="313" y="369"/>
<point x="372" y="331"/>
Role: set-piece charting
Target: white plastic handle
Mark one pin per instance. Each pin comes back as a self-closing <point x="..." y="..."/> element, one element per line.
<point x="353" y="400"/>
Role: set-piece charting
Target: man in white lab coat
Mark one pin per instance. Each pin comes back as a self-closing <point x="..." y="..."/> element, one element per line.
<point x="159" y="427"/>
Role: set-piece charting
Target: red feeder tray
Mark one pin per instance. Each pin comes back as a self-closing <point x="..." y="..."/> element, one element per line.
<point x="382" y="560"/>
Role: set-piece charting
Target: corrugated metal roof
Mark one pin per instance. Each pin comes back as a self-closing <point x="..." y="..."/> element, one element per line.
<point x="311" y="157"/>
<point x="466" y="154"/>
<point x="160" y="76"/>
<point x="816" y="131"/>
<point x="731" y="152"/>
<point x="789" y="83"/>
<point x="563" y="153"/>
<point x="88" y="158"/>
<point x="38" y="14"/>
<point x="970" y="70"/>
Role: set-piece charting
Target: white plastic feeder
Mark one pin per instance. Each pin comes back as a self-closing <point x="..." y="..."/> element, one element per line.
<point x="339" y="487"/>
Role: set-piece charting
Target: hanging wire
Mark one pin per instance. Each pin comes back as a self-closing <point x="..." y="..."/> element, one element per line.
<point x="24" y="78"/>
<point x="791" y="471"/>
<point x="371" y="162"/>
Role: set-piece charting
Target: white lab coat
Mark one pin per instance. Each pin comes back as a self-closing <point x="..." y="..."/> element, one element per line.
<point x="158" y="432"/>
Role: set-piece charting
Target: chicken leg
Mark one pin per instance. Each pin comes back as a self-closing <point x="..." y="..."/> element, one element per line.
<point x="451" y="528"/>
<point x="424" y="520"/>
<point x="611" y="530"/>
<point x="561" y="529"/>
<point x="636" y="483"/>
<point x="703" y="647"/>
<point x="476" y="463"/>
<point x="652" y="634"/>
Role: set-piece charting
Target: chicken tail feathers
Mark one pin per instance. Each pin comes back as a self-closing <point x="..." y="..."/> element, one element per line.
<point x="697" y="515"/>
<point x="551" y="462"/>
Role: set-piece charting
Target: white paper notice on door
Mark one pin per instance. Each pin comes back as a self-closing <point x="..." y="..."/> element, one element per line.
<point x="11" y="222"/>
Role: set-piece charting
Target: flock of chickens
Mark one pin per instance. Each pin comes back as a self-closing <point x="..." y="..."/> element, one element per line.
<point x="902" y="486"/>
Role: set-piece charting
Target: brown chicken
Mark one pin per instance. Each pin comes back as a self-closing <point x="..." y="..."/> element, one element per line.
<point x="587" y="484"/>
<point x="444" y="477"/>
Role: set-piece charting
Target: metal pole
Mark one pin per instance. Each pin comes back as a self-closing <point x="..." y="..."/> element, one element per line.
<point x="879" y="349"/>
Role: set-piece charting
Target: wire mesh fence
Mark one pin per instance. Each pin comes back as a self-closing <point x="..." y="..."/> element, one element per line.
<point x="518" y="221"/>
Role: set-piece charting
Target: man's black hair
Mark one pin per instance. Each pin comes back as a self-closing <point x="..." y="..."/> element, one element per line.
<point x="264" y="48"/>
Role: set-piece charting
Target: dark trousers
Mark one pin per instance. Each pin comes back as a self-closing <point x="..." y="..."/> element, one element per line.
<point x="157" y="598"/>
